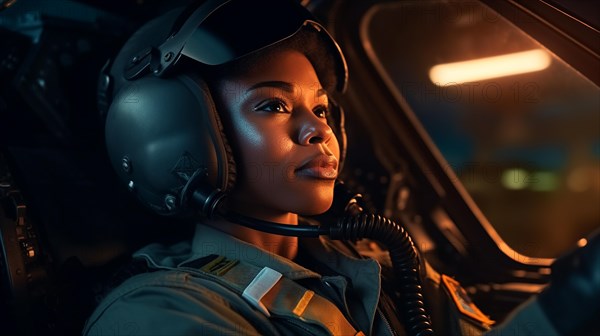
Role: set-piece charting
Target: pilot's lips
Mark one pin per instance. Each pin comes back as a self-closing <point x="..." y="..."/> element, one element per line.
<point x="320" y="167"/>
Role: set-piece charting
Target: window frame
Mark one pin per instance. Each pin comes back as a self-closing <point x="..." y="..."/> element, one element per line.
<point x="456" y="223"/>
<point x="463" y="242"/>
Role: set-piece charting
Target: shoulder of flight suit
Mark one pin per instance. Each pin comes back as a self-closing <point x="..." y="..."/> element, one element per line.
<point x="175" y="303"/>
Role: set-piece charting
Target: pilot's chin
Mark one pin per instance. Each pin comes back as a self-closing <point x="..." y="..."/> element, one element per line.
<point x="318" y="205"/>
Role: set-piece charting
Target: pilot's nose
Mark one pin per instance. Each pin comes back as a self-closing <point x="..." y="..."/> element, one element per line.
<point x="313" y="130"/>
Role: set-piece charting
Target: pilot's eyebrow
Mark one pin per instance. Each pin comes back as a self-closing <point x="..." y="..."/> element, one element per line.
<point x="273" y="84"/>
<point x="285" y="86"/>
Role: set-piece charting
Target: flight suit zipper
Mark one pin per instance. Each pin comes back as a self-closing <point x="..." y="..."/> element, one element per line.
<point x="340" y="302"/>
<point x="386" y="322"/>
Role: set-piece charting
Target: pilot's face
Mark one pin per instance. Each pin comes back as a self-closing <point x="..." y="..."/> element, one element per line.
<point x="287" y="155"/>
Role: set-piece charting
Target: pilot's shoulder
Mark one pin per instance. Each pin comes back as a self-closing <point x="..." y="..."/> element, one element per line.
<point x="145" y="302"/>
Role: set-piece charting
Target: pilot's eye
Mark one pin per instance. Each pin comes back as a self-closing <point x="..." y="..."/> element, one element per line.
<point x="321" y="111"/>
<point x="272" y="105"/>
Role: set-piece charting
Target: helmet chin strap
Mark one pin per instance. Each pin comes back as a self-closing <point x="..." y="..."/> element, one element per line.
<point x="300" y="230"/>
<point x="211" y="203"/>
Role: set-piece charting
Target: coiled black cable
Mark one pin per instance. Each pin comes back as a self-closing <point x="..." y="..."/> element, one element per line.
<point x="405" y="261"/>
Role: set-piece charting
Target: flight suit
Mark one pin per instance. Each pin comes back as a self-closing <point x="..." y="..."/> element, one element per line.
<point x="199" y="287"/>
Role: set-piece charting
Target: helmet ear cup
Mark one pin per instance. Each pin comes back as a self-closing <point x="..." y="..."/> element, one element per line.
<point x="162" y="131"/>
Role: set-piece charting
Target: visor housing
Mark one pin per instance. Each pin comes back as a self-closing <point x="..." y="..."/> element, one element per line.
<point x="218" y="32"/>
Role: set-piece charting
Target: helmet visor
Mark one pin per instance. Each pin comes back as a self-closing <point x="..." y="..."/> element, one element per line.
<point x="240" y="27"/>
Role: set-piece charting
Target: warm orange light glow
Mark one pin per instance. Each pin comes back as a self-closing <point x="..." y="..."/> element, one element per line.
<point x="489" y="67"/>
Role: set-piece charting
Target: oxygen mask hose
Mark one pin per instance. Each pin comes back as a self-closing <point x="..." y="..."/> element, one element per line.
<point x="404" y="258"/>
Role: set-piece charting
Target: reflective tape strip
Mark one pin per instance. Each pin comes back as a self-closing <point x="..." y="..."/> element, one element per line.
<point x="259" y="286"/>
<point x="301" y="306"/>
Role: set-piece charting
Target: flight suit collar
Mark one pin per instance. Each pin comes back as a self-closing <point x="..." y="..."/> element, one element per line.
<point x="210" y="241"/>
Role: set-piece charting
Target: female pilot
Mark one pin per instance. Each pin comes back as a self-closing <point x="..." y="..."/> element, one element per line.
<point x="252" y="120"/>
<point x="235" y="124"/>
